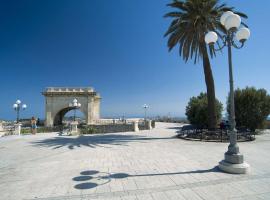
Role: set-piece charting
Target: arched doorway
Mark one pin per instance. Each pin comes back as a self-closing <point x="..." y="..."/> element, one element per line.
<point x="66" y="115"/>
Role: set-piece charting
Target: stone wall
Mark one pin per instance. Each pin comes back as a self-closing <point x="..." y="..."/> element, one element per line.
<point x="109" y="128"/>
<point x="115" y="128"/>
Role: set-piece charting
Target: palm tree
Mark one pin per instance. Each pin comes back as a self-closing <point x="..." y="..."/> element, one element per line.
<point x="191" y="21"/>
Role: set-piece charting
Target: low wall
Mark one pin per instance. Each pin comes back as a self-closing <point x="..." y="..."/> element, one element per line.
<point x="109" y="128"/>
<point x="125" y="126"/>
<point x="115" y="128"/>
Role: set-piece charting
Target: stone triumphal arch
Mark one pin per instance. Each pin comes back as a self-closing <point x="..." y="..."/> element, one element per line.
<point x="57" y="101"/>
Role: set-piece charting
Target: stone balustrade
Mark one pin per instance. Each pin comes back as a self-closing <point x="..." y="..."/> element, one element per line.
<point x="69" y="89"/>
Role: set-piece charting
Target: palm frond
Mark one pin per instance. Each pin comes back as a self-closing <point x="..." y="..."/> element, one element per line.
<point x="191" y="20"/>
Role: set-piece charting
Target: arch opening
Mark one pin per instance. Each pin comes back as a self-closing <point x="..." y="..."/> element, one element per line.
<point x="66" y="115"/>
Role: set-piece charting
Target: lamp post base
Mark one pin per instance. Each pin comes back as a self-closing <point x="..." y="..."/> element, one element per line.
<point x="232" y="168"/>
<point x="74" y="129"/>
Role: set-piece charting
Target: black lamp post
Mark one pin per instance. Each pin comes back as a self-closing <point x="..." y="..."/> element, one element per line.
<point x="234" y="161"/>
<point x="75" y="105"/>
<point x="145" y="110"/>
<point x="18" y="106"/>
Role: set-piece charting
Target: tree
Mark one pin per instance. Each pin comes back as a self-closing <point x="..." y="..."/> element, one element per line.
<point x="192" y="20"/>
<point x="252" y="107"/>
<point x="196" y="110"/>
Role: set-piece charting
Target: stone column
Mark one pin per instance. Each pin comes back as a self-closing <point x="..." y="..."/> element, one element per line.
<point x="48" y="110"/>
<point x="90" y="110"/>
<point x="74" y="129"/>
<point x="97" y="107"/>
<point x="148" y="124"/>
<point x="135" y="126"/>
<point x="17" y="129"/>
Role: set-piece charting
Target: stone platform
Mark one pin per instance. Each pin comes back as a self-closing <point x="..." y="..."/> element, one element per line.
<point x="147" y="165"/>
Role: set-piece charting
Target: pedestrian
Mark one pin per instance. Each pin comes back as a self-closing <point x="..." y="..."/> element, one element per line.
<point x="222" y="125"/>
<point x="33" y="125"/>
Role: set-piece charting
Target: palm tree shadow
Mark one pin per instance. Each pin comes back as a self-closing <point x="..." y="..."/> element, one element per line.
<point x="92" y="141"/>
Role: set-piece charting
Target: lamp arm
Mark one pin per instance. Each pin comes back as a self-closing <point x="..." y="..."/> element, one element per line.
<point x="236" y="46"/>
<point x="224" y="42"/>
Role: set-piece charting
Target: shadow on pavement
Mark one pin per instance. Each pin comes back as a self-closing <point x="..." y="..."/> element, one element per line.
<point x="92" y="140"/>
<point x="100" y="178"/>
<point x="176" y="127"/>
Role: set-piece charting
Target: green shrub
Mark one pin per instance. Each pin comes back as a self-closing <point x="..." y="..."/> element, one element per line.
<point x="197" y="113"/>
<point x="88" y="130"/>
<point x="252" y="107"/>
<point x="266" y="124"/>
<point x="43" y="129"/>
<point x="25" y="131"/>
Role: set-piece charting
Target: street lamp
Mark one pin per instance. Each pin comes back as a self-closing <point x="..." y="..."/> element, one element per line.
<point x="17" y="107"/>
<point x="234" y="161"/>
<point x="145" y="106"/>
<point x="75" y="105"/>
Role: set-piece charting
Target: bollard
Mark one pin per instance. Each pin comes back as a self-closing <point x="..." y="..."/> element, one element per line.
<point x="18" y="129"/>
<point x="135" y="126"/>
<point x="73" y="126"/>
<point x="148" y="124"/>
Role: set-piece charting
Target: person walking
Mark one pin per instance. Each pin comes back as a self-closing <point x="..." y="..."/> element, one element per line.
<point x="34" y="125"/>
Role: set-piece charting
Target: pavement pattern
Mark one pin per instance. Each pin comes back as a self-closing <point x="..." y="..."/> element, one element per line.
<point x="147" y="165"/>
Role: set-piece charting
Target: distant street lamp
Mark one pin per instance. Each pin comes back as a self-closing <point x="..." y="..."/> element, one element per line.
<point x="75" y="105"/>
<point x="18" y="106"/>
<point x="145" y="110"/>
<point x="234" y="161"/>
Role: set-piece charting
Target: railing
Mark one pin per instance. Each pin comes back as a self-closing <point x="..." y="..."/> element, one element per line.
<point x="192" y="132"/>
<point x="7" y="129"/>
<point x="116" y="121"/>
<point x="69" y="89"/>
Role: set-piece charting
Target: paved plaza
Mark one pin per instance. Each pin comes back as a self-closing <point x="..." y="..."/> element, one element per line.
<point x="147" y="165"/>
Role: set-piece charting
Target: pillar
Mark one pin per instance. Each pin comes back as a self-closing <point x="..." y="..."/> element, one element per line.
<point x="135" y="126"/>
<point x="148" y="124"/>
<point x="17" y="130"/>
<point x="74" y="129"/>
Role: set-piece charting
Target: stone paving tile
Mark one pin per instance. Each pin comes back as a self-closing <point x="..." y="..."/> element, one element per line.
<point x="130" y="197"/>
<point x="265" y="196"/>
<point x="189" y="194"/>
<point x="144" y="197"/>
<point x="174" y="195"/>
<point x="153" y="165"/>
<point x="159" y="196"/>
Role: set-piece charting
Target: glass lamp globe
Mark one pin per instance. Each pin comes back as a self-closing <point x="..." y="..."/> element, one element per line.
<point x="75" y="100"/>
<point x="75" y="104"/>
<point x="224" y="17"/>
<point x="145" y="106"/>
<point x="211" y="37"/>
<point x="232" y="21"/>
<point x="15" y="105"/>
<point x="24" y="106"/>
<point x="18" y="101"/>
<point x="242" y="34"/>
<point x="79" y="104"/>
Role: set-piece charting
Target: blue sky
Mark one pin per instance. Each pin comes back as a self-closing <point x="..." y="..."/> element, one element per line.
<point x="118" y="48"/>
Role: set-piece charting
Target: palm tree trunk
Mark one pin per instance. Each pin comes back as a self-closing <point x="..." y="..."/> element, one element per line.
<point x="209" y="81"/>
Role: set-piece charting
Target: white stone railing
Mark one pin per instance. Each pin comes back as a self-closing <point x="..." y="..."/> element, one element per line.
<point x="116" y="121"/>
<point x="69" y="89"/>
